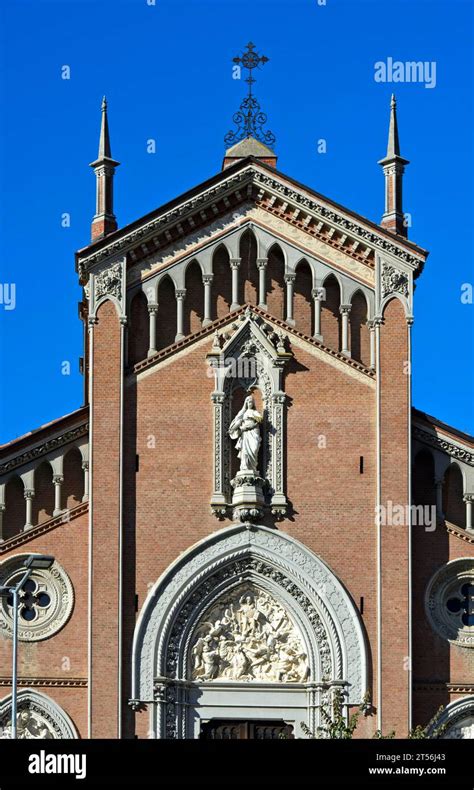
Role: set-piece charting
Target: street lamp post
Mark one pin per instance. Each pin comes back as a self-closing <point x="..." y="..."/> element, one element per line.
<point x="33" y="561"/>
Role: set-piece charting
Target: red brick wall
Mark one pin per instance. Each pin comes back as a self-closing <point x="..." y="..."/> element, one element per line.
<point x="15" y="507"/>
<point x="105" y="500"/>
<point x="139" y="329"/>
<point x="174" y="441"/>
<point x="62" y="657"/>
<point x="248" y="273"/>
<point x="435" y="661"/>
<point x="358" y="330"/>
<point x="394" y="468"/>
<point x="221" y="289"/>
<point x="275" y="283"/>
<point x="43" y="502"/>
<point x="194" y="302"/>
<point x="454" y="507"/>
<point x="330" y="316"/>
<point x="166" y="318"/>
<point x="302" y="300"/>
<point x="73" y="485"/>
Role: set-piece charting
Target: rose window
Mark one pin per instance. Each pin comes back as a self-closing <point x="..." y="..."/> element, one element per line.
<point x="462" y="605"/>
<point x="449" y="602"/>
<point x="44" y="603"/>
<point x="31" y="599"/>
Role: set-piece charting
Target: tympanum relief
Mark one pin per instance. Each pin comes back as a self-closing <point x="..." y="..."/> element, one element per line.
<point x="246" y="636"/>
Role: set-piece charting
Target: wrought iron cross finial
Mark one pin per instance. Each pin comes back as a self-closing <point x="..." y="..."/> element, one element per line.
<point x="250" y="118"/>
<point x="250" y="60"/>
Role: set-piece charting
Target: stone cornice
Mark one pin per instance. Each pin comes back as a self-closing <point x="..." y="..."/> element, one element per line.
<point x="446" y="445"/>
<point x="338" y="219"/>
<point x="440" y="685"/>
<point x="46" y="682"/>
<point x="254" y="182"/>
<point x="45" y="447"/>
<point x="459" y="532"/>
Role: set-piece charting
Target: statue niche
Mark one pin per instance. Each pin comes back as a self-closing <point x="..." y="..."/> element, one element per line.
<point x="248" y="636"/>
<point x="248" y="356"/>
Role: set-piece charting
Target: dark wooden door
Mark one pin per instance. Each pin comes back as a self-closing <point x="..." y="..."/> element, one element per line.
<point x="230" y="730"/>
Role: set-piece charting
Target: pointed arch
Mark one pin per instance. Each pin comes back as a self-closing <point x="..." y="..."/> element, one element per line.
<point x="359" y="331"/>
<point x="166" y="319"/>
<point x="302" y="298"/>
<point x="73" y="485"/>
<point x="248" y="279"/>
<point x="138" y="329"/>
<point x="43" y="501"/>
<point x="14" y="516"/>
<point x="424" y="491"/>
<point x="303" y="584"/>
<point x="330" y="314"/>
<point x="46" y="720"/>
<point x="221" y="289"/>
<point x="453" y="488"/>
<point x="275" y="277"/>
<point x="194" y="300"/>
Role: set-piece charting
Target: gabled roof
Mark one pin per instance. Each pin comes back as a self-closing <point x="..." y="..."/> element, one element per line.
<point x="241" y="178"/>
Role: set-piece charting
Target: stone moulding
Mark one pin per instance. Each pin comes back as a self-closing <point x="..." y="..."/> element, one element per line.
<point x="249" y="176"/>
<point x="57" y="722"/>
<point x="447" y="446"/>
<point x="49" y="618"/>
<point x="273" y="561"/>
<point x="251" y="345"/>
<point x="46" y="447"/>
<point x="458" y="715"/>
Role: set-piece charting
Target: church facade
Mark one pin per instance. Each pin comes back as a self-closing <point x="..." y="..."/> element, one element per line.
<point x="247" y="514"/>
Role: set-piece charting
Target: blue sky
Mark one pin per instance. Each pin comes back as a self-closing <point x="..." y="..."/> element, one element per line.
<point x="167" y="72"/>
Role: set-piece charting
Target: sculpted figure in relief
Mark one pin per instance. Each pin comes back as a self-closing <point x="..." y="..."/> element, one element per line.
<point x="27" y="727"/>
<point x="248" y="636"/>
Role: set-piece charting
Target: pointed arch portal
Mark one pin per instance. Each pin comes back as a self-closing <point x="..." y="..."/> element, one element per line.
<point x="248" y="622"/>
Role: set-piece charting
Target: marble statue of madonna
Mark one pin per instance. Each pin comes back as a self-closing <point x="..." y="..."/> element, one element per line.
<point x="245" y="428"/>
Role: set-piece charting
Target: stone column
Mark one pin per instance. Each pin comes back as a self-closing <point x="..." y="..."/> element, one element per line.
<point x="85" y="467"/>
<point x="262" y="265"/>
<point x="439" y="497"/>
<point x="469" y="499"/>
<point x="371" y="326"/>
<point x="207" y="281"/>
<point x="317" y="294"/>
<point x="152" y="312"/>
<point x="345" y="309"/>
<point x="180" y="295"/>
<point x="234" y="265"/>
<point x="58" y="481"/>
<point x="290" y="280"/>
<point x="29" y="494"/>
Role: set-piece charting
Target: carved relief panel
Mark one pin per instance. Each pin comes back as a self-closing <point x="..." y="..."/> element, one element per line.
<point x="246" y="636"/>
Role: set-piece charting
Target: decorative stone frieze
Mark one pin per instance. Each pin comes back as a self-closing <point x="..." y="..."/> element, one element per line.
<point x="447" y="446"/>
